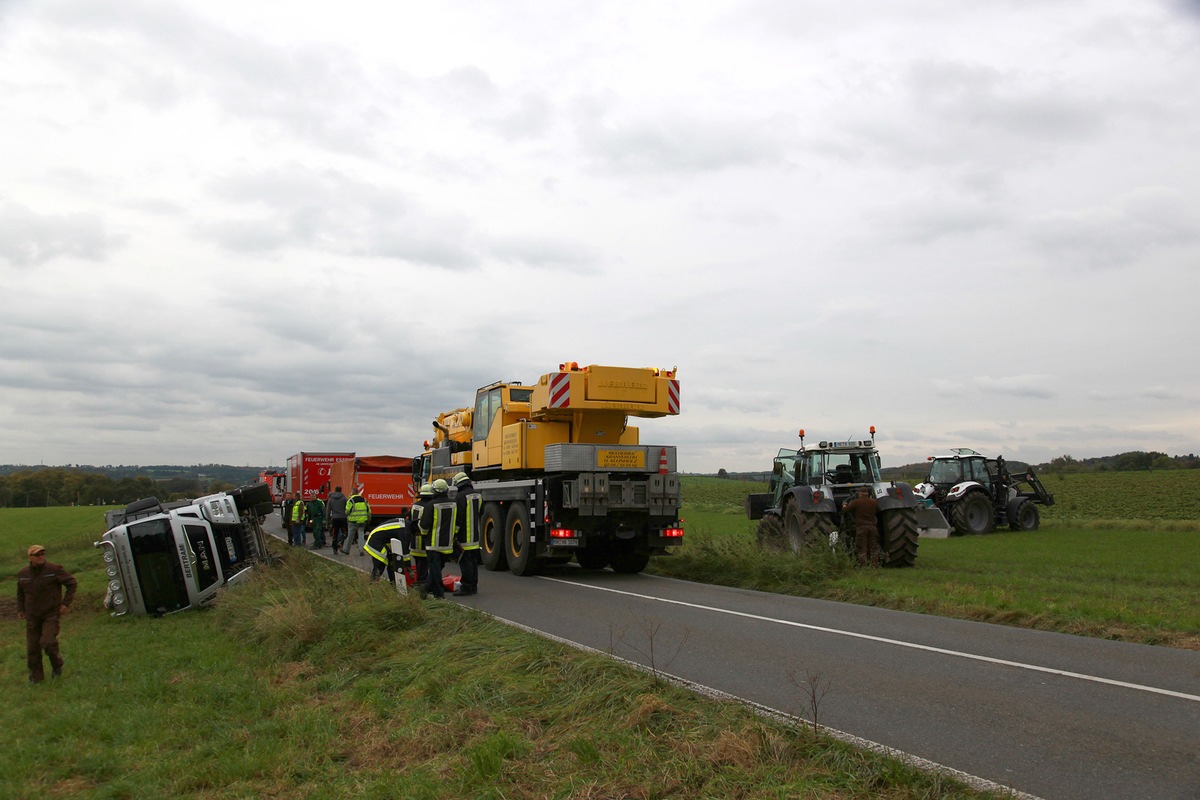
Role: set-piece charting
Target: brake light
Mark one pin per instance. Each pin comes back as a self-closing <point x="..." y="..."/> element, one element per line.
<point x="562" y="533"/>
<point x="673" y="533"/>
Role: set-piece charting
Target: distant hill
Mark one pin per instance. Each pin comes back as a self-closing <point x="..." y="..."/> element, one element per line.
<point x="1132" y="461"/>
<point x="218" y="473"/>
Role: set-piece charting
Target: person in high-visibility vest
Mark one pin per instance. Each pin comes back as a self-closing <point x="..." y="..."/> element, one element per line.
<point x="358" y="513"/>
<point x="420" y="560"/>
<point x="437" y="525"/>
<point x="379" y="547"/>
<point x="469" y="504"/>
<point x="299" y="515"/>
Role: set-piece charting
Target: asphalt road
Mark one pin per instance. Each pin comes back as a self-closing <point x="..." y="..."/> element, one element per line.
<point x="1051" y="715"/>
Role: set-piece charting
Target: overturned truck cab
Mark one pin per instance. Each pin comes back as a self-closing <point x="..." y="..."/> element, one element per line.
<point x="161" y="558"/>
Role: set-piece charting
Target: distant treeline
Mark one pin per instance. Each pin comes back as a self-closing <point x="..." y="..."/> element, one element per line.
<point x="80" y="484"/>
<point x="23" y="486"/>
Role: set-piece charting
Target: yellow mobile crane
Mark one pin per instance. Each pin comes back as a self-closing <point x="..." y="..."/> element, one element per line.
<point x="561" y="471"/>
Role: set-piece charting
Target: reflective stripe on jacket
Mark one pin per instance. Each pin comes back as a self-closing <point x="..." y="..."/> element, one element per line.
<point x="358" y="509"/>
<point x="379" y="542"/>
<point x="418" y="546"/>
<point x="437" y="523"/>
<point x="470" y="505"/>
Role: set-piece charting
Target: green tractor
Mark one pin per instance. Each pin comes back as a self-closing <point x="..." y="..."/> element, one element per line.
<point x="810" y="487"/>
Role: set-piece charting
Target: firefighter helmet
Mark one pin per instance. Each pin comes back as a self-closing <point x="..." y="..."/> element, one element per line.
<point x="440" y="486"/>
<point x="461" y="477"/>
<point x="426" y="490"/>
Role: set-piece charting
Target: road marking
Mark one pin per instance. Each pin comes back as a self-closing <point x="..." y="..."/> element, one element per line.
<point x="974" y="781"/>
<point x="897" y="642"/>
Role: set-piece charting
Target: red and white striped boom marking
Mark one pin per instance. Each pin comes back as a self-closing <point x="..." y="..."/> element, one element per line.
<point x="560" y="390"/>
<point x="673" y="398"/>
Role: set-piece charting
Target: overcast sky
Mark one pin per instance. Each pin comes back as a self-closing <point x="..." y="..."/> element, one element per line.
<point x="231" y="231"/>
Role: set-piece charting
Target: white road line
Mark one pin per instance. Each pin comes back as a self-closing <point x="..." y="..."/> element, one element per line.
<point x="897" y="642"/>
<point x="973" y="781"/>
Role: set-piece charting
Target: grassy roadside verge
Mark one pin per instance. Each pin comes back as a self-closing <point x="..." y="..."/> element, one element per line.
<point x="311" y="682"/>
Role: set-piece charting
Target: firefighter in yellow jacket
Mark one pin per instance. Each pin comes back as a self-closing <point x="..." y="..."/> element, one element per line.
<point x="437" y="526"/>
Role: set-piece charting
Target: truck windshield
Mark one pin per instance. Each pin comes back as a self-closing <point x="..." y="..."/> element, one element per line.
<point x="945" y="471"/>
<point x="159" y="572"/>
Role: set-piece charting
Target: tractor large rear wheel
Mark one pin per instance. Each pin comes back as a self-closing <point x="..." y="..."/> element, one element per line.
<point x="769" y="534"/>
<point x="973" y="514"/>
<point x="1026" y="517"/>
<point x="899" y="537"/>
<point x="491" y="538"/>
<point x="807" y="528"/>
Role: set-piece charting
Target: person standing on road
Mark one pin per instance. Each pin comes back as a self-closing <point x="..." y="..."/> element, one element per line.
<point x="437" y="525"/>
<point x="358" y="513"/>
<point x="299" y="517"/>
<point x="468" y="504"/>
<point x="40" y="602"/>
<point x="316" y="521"/>
<point x="285" y="514"/>
<point x="337" y="516"/>
<point x="864" y="509"/>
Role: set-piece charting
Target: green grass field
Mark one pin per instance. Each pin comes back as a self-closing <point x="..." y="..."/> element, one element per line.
<point x="310" y="682"/>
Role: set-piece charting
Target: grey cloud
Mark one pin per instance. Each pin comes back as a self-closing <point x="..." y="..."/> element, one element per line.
<point x="983" y="98"/>
<point x="329" y="211"/>
<point x="1018" y="385"/>
<point x="29" y="238"/>
<point x="318" y="93"/>
<point x="1132" y="227"/>
<point x="674" y="141"/>
<point x="544" y="253"/>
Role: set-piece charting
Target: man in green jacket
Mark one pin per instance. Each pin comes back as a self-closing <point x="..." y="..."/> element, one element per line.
<point x="316" y="521"/>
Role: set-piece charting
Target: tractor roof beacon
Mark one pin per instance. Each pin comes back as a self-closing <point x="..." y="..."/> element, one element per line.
<point x="977" y="493"/>
<point x="809" y="488"/>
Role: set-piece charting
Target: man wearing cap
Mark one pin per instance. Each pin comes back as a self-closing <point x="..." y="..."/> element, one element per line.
<point x="863" y="509"/>
<point x="40" y="602"/>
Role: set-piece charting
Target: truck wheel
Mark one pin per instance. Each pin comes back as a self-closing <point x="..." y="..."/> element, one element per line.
<point x="899" y="537"/>
<point x="628" y="561"/>
<point x="973" y="514"/>
<point x="594" y="557"/>
<point x="769" y="534"/>
<point x="806" y="528"/>
<point x="1026" y="517"/>
<point x="521" y="560"/>
<point x="491" y="538"/>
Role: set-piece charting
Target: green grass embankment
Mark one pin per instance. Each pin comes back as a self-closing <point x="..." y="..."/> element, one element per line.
<point x="311" y="682"/>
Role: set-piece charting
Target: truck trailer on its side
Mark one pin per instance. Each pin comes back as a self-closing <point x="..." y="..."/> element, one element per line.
<point x="161" y="558"/>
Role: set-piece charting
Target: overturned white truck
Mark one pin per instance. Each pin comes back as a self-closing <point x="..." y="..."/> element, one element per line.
<point x="161" y="558"/>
